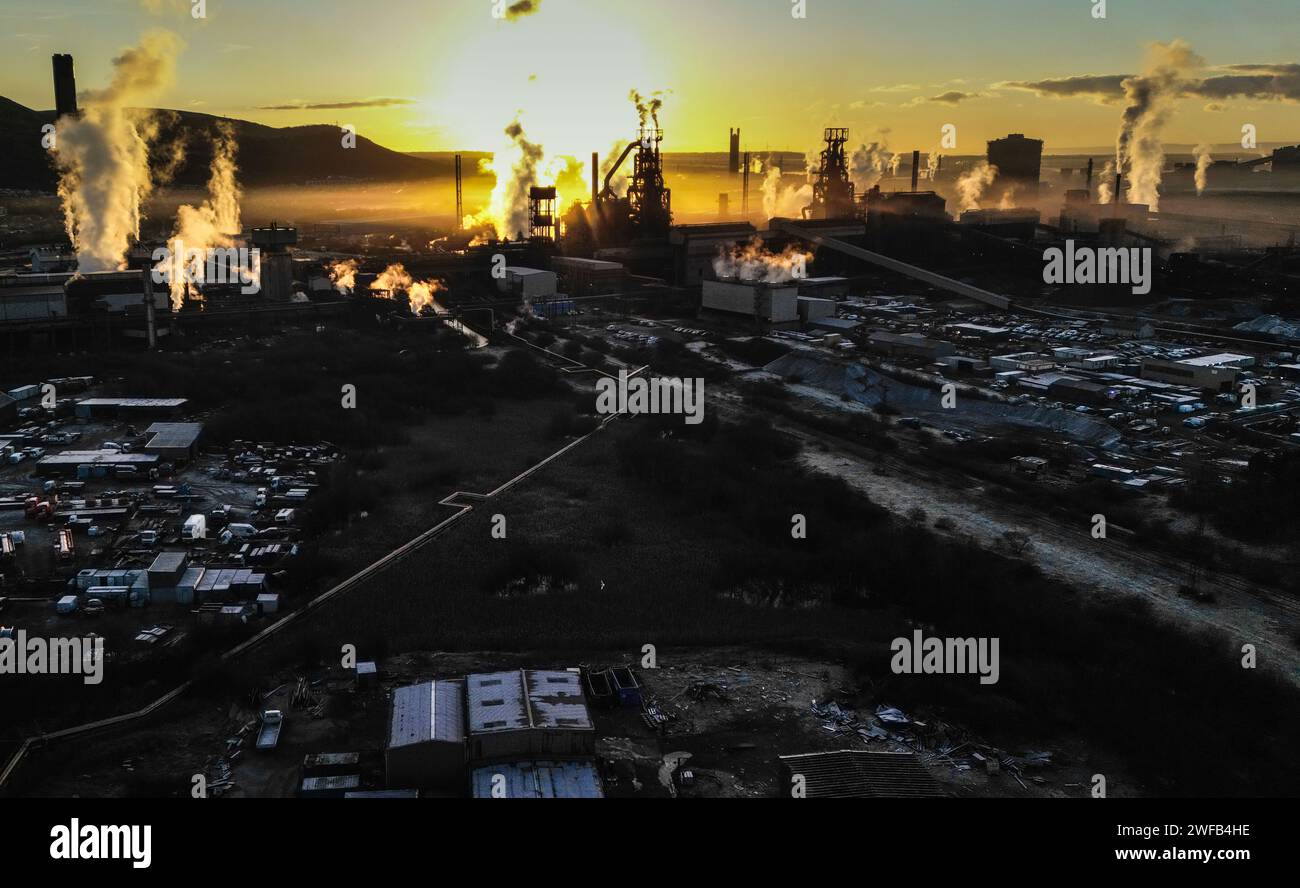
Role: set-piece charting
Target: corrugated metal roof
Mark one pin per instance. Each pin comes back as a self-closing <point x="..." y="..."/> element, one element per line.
<point x="860" y="774"/>
<point x="174" y="434"/>
<point x="510" y="701"/>
<point x="540" y="780"/>
<point x="168" y="562"/>
<point x="425" y="712"/>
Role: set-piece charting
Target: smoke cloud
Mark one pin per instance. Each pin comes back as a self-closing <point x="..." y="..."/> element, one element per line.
<point x="973" y="183"/>
<point x="344" y="276"/>
<point x="420" y="294"/>
<point x="1150" y="99"/>
<point x="516" y="11"/>
<point x="520" y="165"/>
<point x="103" y="156"/>
<point x="783" y="200"/>
<point x="754" y="262"/>
<point x="1203" y="161"/>
<point x="213" y="224"/>
<point x="647" y="108"/>
<point x="869" y="164"/>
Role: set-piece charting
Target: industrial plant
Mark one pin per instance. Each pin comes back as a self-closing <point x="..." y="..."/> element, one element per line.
<point x="992" y="490"/>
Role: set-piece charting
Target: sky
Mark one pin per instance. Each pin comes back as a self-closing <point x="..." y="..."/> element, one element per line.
<point x="434" y="75"/>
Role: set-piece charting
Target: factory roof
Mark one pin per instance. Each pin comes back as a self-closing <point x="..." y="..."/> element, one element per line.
<point x="524" y="700"/>
<point x="168" y="562"/>
<point x="1218" y="360"/>
<point x="837" y="324"/>
<point x="427" y="712"/>
<point x="521" y="270"/>
<point x="540" y="780"/>
<point x="97" y="457"/>
<point x="862" y="774"/>
<point x="133" y="402"/>
<point x="174" y="434"/>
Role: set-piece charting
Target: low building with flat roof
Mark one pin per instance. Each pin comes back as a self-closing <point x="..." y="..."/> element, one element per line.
<point x="176" y="442"/>
<point x="99" y="408"/>
<point x="528" y="714"/>
<point x="426" y="737"/>
<point x="537" y="780"/>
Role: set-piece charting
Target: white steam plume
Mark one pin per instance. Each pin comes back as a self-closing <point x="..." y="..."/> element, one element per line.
<point x="973" y="183"/>
<point x="1203" y="161"/>
<point x="754" y="262"/>
<point x="103" y="155"/>
<point x="782" y="200"/>
<point x="1150" y="99"/>
<point x="213" y="224"/>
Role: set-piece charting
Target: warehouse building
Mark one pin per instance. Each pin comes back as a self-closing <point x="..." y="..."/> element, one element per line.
<point x="528" y="714"/>
<point x="1195" y="373"/>
<point x="426" y="737"/>
<point x="588" y="277"/>
<point x="86" y="464"/>
<point x="858" y="774"/>
<point x="537" y="780"/>
<point x="814" y="309"/>
<point x="130" y="408"/>
<point x="909" y="345"/>
<point x="774" y="303"/>
<point x="528" y="283"/>
<point x="176" y="442"/>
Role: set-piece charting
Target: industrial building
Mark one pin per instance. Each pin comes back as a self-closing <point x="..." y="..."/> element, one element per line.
<point x="1217" y="373"/>
<point x="528" y="714"/>
<point x="1019" y="162"/>
<point x="176" y="442"/>
<point x="527" y="284"/>
<point x="909" y="345"/>
<point x="588" y="277"/>
<point x="85" y="464"/>
<point x="537" y="780"/>
<point x="858" y="774"/>
<point x="773" y="303"/>
<point x="426" y="738"/>
<point x="130" y="408"/>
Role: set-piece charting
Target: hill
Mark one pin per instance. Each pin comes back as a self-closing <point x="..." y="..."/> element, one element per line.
<point x="267" y="155"/>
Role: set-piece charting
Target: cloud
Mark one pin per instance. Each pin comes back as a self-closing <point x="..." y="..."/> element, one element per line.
<point x="1269" y="82"/>
<point x="518" y="10"/>
<point x="1104" y="88"/>
<point x="1261" y="82"/>
<point x="954" y="97"/>
<point x="336" y="106"/>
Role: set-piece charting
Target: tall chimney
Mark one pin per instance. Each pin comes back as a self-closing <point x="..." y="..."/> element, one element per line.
<point x="460" y="201"/>
<point x="65" y="86"/>
<point x="1088" y="185"/>
<point x="744" y="192"/>
<point x="150" y="320"/>
<point x="916" y="168"/>
<point x="595" y="174"/>
<point x="1119" y="188"/>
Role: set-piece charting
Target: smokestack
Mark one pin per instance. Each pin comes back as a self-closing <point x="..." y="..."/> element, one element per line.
<point x="460" y="203"/>
<point x="916" y="168"/>
<point x="1088" y="184"/>
<point x="65" y="86"/>
<point x="150" y="321"/>
<point x="744" y="193"/>
<point x="733" y="159"/>
<point x="1119" y="188"/>
<point x="595" y="176"/>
